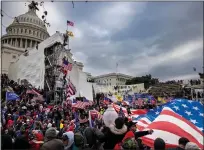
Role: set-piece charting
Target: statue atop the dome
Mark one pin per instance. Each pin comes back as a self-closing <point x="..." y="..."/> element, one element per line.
<point x="33" y="6"/>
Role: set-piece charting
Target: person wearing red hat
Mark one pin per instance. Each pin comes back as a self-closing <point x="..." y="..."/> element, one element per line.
<point x="37" y="142"/>
<point x="72" y="126"/>
<point x="132" y="135"/>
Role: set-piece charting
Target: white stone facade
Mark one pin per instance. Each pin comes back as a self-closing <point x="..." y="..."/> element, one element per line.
<point x="26" y="32"/>
<point x="112" y="79"/>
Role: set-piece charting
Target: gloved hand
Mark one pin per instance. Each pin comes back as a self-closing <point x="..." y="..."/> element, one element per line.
<point x="150" y="131"/>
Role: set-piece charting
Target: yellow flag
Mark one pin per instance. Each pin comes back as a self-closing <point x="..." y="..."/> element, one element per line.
<point x="159" y="99"/>
<point x="69" y="33"/>
<point x="162" y="100"/>
<point x="119" y="98"/>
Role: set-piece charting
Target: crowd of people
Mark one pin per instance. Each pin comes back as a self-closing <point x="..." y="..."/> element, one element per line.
<point x="29" y="125"/>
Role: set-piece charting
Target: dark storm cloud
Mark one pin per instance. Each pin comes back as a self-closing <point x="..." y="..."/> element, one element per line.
<point x="173" y="23"/>
<point x="163" y="26"/>
<point x="177" y="69"/>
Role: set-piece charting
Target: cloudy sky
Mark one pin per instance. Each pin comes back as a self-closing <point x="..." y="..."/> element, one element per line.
<point x="164" y="39"/>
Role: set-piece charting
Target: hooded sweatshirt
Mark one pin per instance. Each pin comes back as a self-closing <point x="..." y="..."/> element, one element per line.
<point x="70" y="136"/>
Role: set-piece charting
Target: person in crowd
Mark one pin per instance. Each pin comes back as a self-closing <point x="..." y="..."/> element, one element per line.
<point x="21" y="143"/>
<point x="114" y="133"/>
<point x="182" y="143"/>
<point x="6" y="142"/>
<point x="94" y="138"/>
<point x="191" y="146"/>
<point x="132" y="128"/>
<point x="57" y="116"/>
<point x="131" y="137"/>
<point x="37" y="141"/>
<point x="51" y="141"/>
<point x="159" y="144"/>
<point x="68" y="140"/>
<point x="79" y="141"/>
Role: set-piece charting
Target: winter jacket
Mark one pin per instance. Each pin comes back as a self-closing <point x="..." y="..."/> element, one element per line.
<point x="54" y="144"/>
<point x="113" y="136"/>
<point x="70" y="136"/>
<point x="94" y="138"/>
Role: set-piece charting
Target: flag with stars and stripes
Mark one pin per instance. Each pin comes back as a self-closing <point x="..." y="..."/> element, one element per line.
<point x="67" y="66"/>
<point x="70" y="89"/>
<point x="173" y="120"/>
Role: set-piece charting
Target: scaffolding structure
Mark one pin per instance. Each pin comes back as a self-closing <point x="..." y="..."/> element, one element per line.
<point x="53" y="80"/>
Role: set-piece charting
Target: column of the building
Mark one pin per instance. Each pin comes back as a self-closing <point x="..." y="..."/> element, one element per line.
<point x="21" y="43"/>
<point x="34" y="43"/>
<point x="16" y="43"/>
<point x="11" y="41"/>
<point x="26" y="43"/>
<point x="31" y="42"/>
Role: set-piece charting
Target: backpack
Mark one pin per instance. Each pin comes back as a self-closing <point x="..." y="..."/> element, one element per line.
<point x="129" y="144"/>
<point x="79" y="140"/>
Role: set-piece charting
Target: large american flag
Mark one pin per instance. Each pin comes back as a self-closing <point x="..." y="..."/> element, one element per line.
<point x="173" y="120"/>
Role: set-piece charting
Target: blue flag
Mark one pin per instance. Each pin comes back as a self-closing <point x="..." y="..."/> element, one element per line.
<point x="11" y="96"/>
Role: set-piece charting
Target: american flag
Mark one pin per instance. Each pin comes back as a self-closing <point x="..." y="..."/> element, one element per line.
<point x="139" y="101"/>
<point x="94" y="114"/>
<point x="37" y="96"/>
<point x="66" y="65"/>
<point x="32" y="91"/>
<point x="70" y="90"/>
<point x="107" y="100"/>
<point x="125" y="103"/>
<point x="173" y="120"/>
<point x="82" y="105"/>
<point x="69" y="23"/>
<point x="134" y="112"/>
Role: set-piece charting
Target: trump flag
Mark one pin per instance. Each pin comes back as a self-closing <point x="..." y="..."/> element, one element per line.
<point x="11" y="96"/>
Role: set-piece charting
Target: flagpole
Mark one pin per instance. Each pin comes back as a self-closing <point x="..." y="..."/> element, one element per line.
<point x="68" y="36"/>
<point x="117" y="73"/>
<point x="116" y="68"/>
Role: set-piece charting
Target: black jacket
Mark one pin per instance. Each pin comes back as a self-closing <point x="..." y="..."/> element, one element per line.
<point x="113" y="136"/>
<point x="140" y="134"/>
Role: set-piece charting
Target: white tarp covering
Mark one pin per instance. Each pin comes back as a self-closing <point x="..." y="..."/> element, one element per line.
<point x="32" y="67"/>
<point x="85" y="88"/>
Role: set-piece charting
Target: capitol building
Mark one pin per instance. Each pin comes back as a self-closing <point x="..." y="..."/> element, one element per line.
<point x="24" y="33"/>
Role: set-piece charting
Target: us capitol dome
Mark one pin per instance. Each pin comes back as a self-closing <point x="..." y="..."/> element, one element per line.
<point x="24" y="33"/>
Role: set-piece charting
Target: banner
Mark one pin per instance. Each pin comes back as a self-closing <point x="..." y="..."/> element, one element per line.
<point x="11" y="96"/>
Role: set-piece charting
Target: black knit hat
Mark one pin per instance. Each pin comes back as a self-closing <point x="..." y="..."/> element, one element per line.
<point x="119" y="122"/>
<point x="130" y="124"/>
<point x="159" y="144"/>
